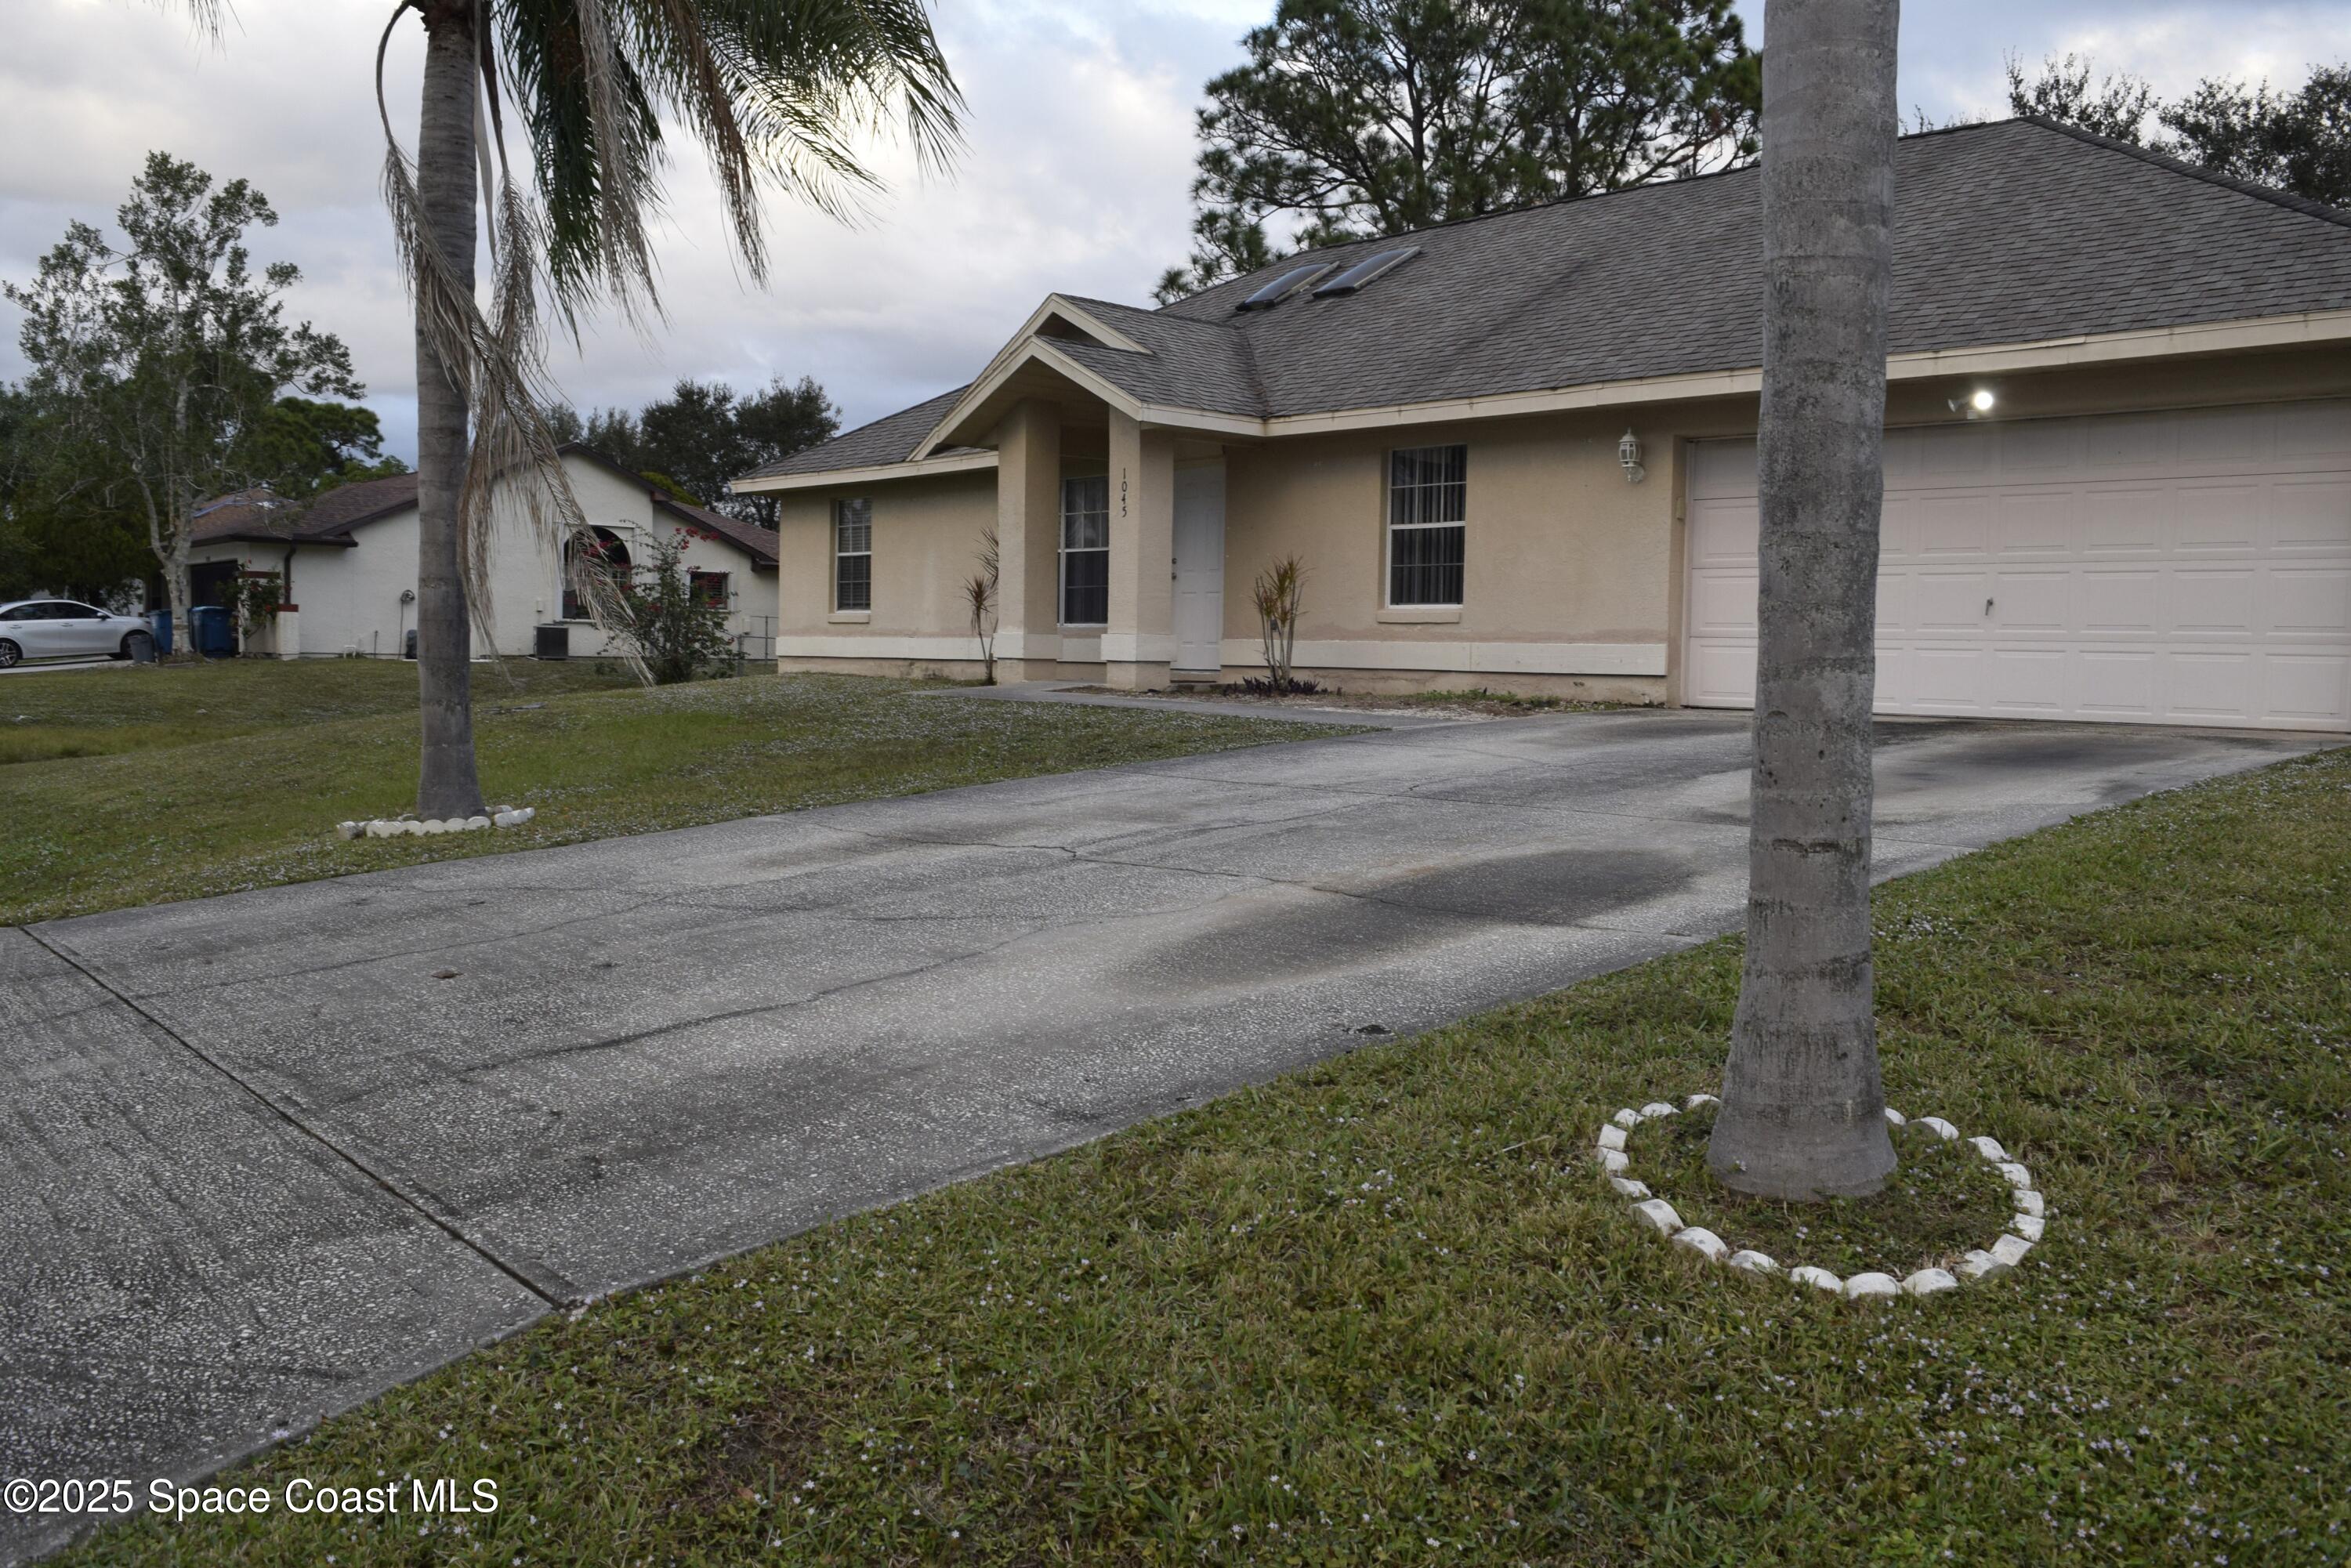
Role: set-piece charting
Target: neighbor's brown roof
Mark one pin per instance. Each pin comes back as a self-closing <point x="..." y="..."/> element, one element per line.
<point x="260" y="516"/>
<point x="754" y="540"/>
<point x="264" y="518"/>
<point x="2015" y="231"/>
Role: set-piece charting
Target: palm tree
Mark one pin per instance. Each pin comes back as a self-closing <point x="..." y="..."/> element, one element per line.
<point x="779" y="92"/>
<point x="1802" y="1111"/>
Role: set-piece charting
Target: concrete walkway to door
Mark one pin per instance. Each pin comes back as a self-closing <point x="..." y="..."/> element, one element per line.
<point x="268" y="1153"/>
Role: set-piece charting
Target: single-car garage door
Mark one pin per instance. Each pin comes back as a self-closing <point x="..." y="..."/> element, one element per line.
<point x="2188" y="568"/>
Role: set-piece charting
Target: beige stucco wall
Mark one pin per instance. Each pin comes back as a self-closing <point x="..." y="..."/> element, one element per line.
<point x="1572" y="576"/>
<point x="927" y="540"/>
<point x="1567" y="569"/>
<point x="350" y="597"/>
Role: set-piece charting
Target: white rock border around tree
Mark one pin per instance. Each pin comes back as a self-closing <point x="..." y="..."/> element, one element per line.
<point x="2025" y="1226"/>
<point x="408" y="824"/>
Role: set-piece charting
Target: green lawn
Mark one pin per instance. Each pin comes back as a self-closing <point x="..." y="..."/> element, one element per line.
<point x="229" y="776"/>
<point x="1386" y="1311"/>
<point x="143" y="707"/>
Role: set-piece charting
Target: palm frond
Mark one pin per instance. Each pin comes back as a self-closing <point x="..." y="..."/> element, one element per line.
<point x="209" y="15"/>
<point x="594" y="141"/>
<point x="782" y="94"/>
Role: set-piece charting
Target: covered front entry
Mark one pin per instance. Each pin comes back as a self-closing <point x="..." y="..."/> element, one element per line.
<point x="2181" y="568"/>
<point x="1200" y="611"/>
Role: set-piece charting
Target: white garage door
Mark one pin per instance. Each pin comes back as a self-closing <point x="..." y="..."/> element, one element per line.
<point x="2190" y="568"/>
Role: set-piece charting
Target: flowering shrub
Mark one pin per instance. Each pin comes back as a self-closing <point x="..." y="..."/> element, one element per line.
<point x="676" y="631"/>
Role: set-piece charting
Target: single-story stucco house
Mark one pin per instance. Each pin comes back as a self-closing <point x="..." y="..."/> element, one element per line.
<point x="347" y="561"/>
<point x="1518" y="452"/>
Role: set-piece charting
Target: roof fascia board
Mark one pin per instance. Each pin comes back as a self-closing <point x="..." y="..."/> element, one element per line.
<point x="1002" y="362"/>
<point x="1169" y="417"/>
<point x="1034" y="350"/>
<point x="1079" y="316"/>
<point x="323" y="541"/>
<point x="2108" y="348"/>
<point x="2307" y="327"/>
<point x="960" y="462"/>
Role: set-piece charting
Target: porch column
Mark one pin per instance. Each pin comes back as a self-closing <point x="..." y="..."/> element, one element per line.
<point x="1027" y="532"/>
<point x="1139" y="643"/>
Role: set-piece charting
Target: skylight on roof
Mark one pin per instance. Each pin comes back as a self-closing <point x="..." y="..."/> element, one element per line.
<point x="1365" y="270"/>
<point x="1282" y="288"/>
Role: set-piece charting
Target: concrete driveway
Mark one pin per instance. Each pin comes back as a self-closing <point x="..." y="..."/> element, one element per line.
<point x="268" y="1153"/>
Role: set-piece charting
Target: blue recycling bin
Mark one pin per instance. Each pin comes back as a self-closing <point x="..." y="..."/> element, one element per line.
<point x="214" y="634"/>
<point x="161" y="620"/>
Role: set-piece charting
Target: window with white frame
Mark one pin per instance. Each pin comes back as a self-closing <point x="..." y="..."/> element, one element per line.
<point x="1085" y="551"/>
<point x="852" y="555"/>
<point x="604" y="552"/>
<point x="1429" y="489"/>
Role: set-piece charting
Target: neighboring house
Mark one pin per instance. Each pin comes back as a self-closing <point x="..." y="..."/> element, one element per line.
<point x="1518" y="452"/>
<point x="348" y="562"/>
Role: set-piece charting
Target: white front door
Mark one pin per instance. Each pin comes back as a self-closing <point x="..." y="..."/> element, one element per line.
<point x="2184" y="568"/>
<point x="1200" y="566"/>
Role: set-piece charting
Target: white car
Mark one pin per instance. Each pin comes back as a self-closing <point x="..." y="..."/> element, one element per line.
<point x="66" y="628"/>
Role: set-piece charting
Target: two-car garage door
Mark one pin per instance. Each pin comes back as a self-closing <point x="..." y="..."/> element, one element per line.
<point x="2184" y="568"/>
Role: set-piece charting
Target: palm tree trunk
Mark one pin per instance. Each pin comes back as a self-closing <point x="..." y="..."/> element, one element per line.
<point x="446" y="785"/>
<point x="1802" y="1110"/>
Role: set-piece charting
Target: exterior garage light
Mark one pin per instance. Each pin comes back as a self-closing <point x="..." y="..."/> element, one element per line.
<point x="1628" y="456"/>
<point x="1976" y="404"/>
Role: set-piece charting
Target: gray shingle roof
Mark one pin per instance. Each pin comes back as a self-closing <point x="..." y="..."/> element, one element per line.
<point x="1193" y="364"/>
<point x="2013" y="232"/>
<point x="886" y="440"/>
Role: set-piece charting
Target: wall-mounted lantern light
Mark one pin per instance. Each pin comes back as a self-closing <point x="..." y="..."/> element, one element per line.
<point x="1628" y="457"/>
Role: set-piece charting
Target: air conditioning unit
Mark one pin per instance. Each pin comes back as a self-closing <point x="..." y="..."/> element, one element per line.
<point x="552" y="641"/>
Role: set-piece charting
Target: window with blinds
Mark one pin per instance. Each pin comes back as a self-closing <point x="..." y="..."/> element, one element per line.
<point x="1429" y="489"/>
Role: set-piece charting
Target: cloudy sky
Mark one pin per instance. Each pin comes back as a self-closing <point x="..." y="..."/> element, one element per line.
<point x="1079" y="157"/>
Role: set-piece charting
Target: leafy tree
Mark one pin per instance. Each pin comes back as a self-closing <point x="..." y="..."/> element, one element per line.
<point x="610" y="431"/>
<point x="2116" y="107"/>
<point x="57" y="534"/>
<point x="784" y="98"/>
<point x="1802" y="1111"/>
<point x="154" y="364"/>
<point x="705" y="434"/>
<point x="302" y="447"/>
<point x="2298" y="141"/>
<point x="1373" y="117"/>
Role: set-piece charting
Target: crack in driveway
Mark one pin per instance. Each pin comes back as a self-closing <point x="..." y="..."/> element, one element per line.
<point x="804" y="1015"/>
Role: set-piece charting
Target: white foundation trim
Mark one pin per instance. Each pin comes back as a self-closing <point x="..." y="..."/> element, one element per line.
<point x="1471" y="658"/>
<point x="806" y="647"/>
<point x="1015" y="644"/>
<point x="1138" y="647"/>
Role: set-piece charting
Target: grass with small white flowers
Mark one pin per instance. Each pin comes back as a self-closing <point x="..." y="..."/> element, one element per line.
<point x="1942" y="1200"/>
<point x="174" y="782"/>
<point x="1387" y="1311"/>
